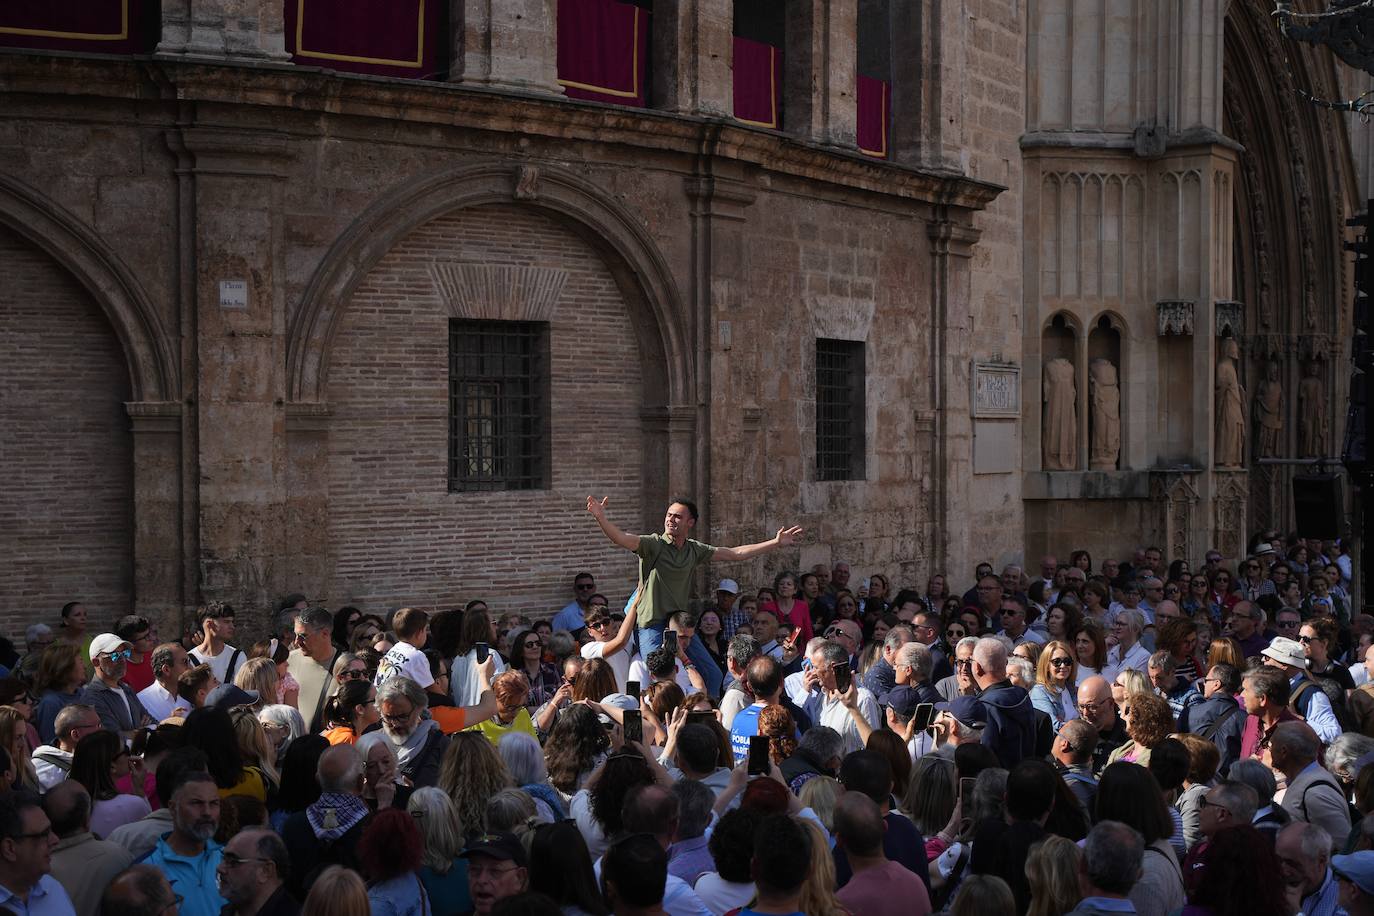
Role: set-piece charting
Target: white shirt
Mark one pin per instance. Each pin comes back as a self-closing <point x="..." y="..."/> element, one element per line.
<point x="161" y="704"/>
<point x="404" y="660"/>
<point x="835" y="715"/>
<point x="219" y="664"/>
<point x="730" y="706"/>
<point x="721" y="896"/>
<point x="464" y="683"/>
<point x="640" y="672"/>
<point x="1136" y="657"/>
<point x="795" y="685"/>
<point x="50" y="774"/>
<point x="620" y="662"/>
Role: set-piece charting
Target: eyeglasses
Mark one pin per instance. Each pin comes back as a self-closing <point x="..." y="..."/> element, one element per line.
<point x="479" y="871"/>
<point x="1061" y="662"/>
<point x="1288" y="624"/>
<point x="963" y="663"/>
<point x="37" y="834"/>
<point x="353" y="674"/>
<point x="1205" y="802"/>
<point x="397" y="720"/>
<point x="1091" y="707"/>
<point x="586" y="587"/>
<point x="232" y="861"/>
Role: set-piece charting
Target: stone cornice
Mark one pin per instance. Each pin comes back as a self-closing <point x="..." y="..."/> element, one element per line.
<point x="220" y="91"/>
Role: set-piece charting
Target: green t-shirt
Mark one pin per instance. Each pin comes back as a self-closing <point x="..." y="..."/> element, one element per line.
<point x="666" y="572"/>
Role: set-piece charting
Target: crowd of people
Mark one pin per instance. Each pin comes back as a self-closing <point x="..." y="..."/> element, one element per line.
<point x="1101" y="738"/>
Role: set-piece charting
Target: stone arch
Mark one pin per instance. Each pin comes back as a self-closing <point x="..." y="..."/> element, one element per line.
<point x="635" y="260"/>
<point x="153" y="368"/>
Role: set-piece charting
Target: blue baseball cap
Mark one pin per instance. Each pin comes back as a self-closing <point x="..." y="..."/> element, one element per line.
<point x="968" y="710"/>
<point x="1357" y="868"/>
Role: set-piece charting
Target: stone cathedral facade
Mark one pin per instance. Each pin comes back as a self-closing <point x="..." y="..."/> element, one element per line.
<point x="363" y="301"/>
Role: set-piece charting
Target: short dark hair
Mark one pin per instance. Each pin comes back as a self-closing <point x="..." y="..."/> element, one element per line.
<point x="649" y="809"/>
<point x="1270" y="683"/>
<point x="698" y="748"/>
<point x="173" y="769"/>
<point x="638" y="867"/>
<point x="1170" y="762"/>
<point x="782" y="854"/>
<point x="1131" y="794"/>
<point x="1228" y="676"/>
<point x="130" y="626"/>
<point x="1030" y="789"/>
<point x="138" y="891"/>
<point x="13" y="804"/>
<point x="868" y="772"/>
<point x="688" y="504"/>
<point x="660" y="662"/>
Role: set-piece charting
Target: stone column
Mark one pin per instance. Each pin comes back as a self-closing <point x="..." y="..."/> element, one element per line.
<point x="505" y="44"/>
<point x="240" y="360"/>
<point x="158" y="580"/>
<point x="819" y="72"/>
<point x="307" y="498"/>
<point x="693" y="49"/>
<point x="928" y="83"/>
<point x="952" y="237"/>
<point x="251" y="29"/>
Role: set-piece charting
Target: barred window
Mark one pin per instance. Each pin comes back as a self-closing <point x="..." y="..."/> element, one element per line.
<point x="498" y="405"/>
<point x="839" y="409"/>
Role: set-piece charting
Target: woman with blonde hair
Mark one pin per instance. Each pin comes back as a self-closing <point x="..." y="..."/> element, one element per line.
<point x="817" y="896"/>
<point x="1052" y="870"/>
<point x="820" y="794"/>
<point x="443" y="873"/>
<point x="471" y="773"/>
<point x="257" y="751"/>
<point x="983" y="895"/>
<point x="1055" y="690"/>
<point x="14" y="739"/>
<point x="259" y="674"/>
<point x="338" y="891"/>
<point x="1129" y="681"/>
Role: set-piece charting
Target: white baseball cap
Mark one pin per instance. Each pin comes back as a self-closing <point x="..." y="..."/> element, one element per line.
<point x="728" y="585"/>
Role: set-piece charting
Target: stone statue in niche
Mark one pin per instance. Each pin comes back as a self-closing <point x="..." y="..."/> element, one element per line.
<point x="1268" y="413"/>
<point x="1105" y="394"/>
<point x="1312" y="412"/>
<point x="1230" y="407"/>
<point x="1061" y="416"/>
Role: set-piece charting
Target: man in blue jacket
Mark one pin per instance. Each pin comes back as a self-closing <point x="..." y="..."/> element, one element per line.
<point x="1010" y="729"/>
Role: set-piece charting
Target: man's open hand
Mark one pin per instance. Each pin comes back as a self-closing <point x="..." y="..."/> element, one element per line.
<point x="789" y="536"/>
<point x="597" y="509"/>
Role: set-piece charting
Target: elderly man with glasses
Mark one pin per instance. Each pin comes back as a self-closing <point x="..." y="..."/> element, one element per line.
<point x="961" y="682"/>
<point x="418" y="742"/>
<point x="1246" y="626"/>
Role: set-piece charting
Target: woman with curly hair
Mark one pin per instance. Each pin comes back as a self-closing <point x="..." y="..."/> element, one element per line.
<point x="776" y="722"/>
<point x="597" y="808"/>
<point x="390" y="853"/>
<point x="575" y="749"/>
<point x="472" y="772"/>
<point x="1149" y="720"/>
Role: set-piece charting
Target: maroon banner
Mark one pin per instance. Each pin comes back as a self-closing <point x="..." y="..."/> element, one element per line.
<point x="758" y="83"/>
<point x="603" y="51"/>
<point x="874" y="116"/>
<point x="100" y="26"/>
<point x="383" y="37"/>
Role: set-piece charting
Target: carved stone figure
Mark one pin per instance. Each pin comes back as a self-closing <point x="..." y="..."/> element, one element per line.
<point x="1312" y="413"/>
<point x="1230" y="407"/>
<point x="1105" y="417"/>
<point x="1268" y="414"/>
<point x="1061" y="416"/>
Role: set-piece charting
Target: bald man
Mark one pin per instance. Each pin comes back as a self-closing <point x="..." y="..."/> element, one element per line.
<point x="1095" y="704"/>
<point x="82" y="864"/>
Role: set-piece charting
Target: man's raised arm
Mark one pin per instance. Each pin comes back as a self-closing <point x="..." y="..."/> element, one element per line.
<point x="785" y="537"/>
<point x="598" y="511"/>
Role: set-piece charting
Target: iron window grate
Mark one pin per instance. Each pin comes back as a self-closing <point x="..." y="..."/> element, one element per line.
<point x="839" y="409"/>
<point x="498" y="405"/>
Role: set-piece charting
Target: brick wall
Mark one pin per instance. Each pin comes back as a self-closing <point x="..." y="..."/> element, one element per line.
<point x="396" y="534"/>
<point x="65" y="452"/>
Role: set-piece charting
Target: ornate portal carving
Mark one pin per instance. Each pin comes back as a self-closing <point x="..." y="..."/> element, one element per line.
<point x="1175" y="317"/>
<point x="1312" y="412"/>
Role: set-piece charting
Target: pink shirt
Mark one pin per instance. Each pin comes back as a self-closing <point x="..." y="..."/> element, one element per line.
<point x="887" y="889"/>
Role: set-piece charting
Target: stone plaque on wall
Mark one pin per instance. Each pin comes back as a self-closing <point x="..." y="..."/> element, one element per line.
<point x="996" y="390"/>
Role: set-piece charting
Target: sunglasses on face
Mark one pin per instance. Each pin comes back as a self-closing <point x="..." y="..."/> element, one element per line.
<point x="1061" y="662"/>
<point x="533" y="644"/>
<point x="353" y="674"/>
<point x="954" y="634"/>
<point x="123" y="655"/>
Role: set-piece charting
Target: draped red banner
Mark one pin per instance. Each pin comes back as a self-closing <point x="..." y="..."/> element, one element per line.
<point x="758" y="83"/>
<point x="383" y="37"/>
<point x="874" y="116"/>
<point x="101" y="26"/>
<point x="603" y="51"/>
